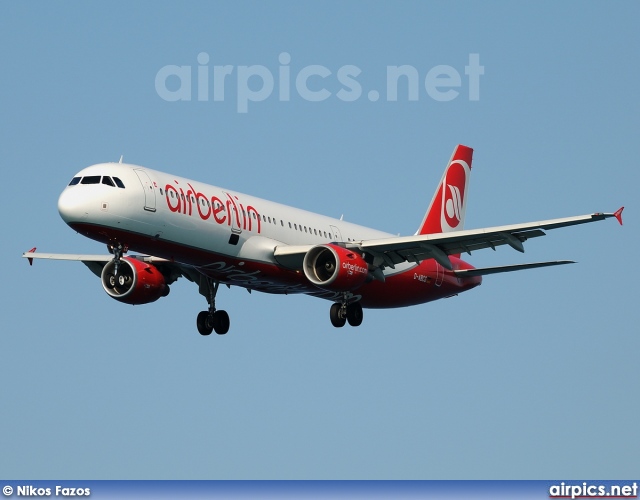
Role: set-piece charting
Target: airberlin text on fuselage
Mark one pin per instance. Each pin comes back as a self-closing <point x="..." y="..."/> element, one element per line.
<point x="222" y="212"/>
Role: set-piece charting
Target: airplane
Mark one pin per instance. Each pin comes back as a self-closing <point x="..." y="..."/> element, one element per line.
<point x="211" y="236"/>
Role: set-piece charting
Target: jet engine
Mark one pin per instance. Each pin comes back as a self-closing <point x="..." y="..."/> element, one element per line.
<point x="335" y="268"/>
<point x="135" y="283"/>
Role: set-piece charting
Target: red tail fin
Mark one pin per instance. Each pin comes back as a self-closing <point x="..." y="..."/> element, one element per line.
<point x="449" y="203"/>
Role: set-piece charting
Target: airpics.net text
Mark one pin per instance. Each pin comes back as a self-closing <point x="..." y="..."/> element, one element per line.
<point x="314" y="83"/>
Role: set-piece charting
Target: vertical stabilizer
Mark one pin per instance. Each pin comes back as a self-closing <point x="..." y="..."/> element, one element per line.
<point x="449" y="204"/>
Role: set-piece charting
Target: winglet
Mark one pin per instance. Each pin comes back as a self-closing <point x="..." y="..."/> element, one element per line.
<point x="618" y="214"/>
<point x="29" y="258"/>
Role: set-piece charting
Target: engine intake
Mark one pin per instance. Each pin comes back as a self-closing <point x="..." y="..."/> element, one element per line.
<point x="136" y="282"/>
<point x="335" y="268"/>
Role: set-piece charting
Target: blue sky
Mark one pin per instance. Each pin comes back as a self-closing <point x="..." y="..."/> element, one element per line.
<point x="532" y="375"/>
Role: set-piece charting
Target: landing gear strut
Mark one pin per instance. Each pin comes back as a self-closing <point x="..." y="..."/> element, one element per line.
<point x="212" y="320"/>
<point x="341" y="312"/>
<point x="117" y="250"/>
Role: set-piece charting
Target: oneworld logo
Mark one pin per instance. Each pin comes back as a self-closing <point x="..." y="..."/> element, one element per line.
<point x="313" y="82"/>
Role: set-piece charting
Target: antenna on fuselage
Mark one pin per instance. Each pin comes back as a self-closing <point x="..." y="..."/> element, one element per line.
<point x="121" y="156"/>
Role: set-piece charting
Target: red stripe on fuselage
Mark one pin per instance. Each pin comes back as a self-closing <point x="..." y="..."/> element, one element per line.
<point x="424" y="282"/>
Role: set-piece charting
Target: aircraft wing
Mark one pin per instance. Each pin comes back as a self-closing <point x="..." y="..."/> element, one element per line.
<point x="392" y="251"/>
<point x="387" y="252"/>
<point x="96" y="262"/>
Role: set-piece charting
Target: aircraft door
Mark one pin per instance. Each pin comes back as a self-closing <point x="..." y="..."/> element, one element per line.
<point x="235" y="218"/>
<point x="149" y="190"/>
<point x="234" y="215"/>
<point x="335" y="234"/>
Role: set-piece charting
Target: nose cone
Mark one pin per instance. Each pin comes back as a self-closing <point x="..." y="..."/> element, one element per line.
<point x="71" y="205"/>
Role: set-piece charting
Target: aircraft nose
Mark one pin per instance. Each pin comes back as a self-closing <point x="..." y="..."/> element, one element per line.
<point x="71" y="207"/>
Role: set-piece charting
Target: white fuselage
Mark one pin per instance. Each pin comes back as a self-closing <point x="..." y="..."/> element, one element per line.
<point x="229" y="236"/>
<point x="195" y="214"/>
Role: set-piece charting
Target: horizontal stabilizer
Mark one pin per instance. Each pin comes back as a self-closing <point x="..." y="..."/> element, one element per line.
<point x="463" y="273"/>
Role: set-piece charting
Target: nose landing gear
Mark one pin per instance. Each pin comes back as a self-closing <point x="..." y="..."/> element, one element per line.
<point x="117" y="249"/>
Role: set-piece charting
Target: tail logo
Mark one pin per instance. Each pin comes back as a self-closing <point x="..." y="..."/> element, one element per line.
<point x="453" y="196"/>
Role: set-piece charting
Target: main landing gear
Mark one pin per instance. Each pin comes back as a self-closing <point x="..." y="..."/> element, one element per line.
<point x="212" y="320"/>
<point x="341" y="312"/>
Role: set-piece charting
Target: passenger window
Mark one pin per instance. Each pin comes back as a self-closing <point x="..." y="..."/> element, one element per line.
<point x="315" y="232"/>
<point x="91" y="179"/>
<point x="161" y="194"/>
<point x="305" y="229"/>
<point x="75" y="181"/>
<point x="118" y="183"/>
<point x="289" y="225"/>
<point x="107" y="180"/>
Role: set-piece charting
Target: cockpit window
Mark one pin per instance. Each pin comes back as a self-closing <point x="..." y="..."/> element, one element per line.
<point x="75" y="181"/>
<point x="91" y="179"/>
<point x="107" y="180"/>
<point x="118" y="182"/>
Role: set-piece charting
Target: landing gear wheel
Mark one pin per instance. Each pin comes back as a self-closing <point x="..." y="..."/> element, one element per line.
<point x="337" y="315"/>
<point x="111" y="281"/>
<point x="221" y="322"/>
<point x="204" y="328"/>
<point x="354" y="314"/>
<point x="212" y="320"/>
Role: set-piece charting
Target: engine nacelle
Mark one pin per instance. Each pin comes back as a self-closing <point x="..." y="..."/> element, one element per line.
<point x="136" y="282"/>
<point x="335" y="268"/>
